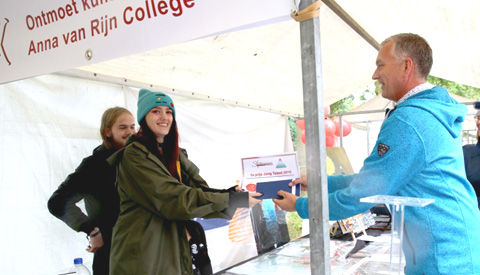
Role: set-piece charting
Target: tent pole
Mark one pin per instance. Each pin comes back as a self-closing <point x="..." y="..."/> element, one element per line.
<point x="315" y="143"/>
<point x="340" y="119"/>
<point x="338" y="10"/>
<point x="368" y="138"/>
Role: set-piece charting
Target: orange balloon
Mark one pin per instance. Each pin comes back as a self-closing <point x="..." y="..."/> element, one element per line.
<point x="301" y="124"/>
<point x="302" y="136"/>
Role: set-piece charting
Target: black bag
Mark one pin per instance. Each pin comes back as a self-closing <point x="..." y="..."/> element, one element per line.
<point x="198" y="248"/>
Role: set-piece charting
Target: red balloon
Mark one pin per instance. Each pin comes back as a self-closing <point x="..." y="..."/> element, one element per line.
<point x="301" y="124"/>
<point x="329" y="127"/>
<point x="330" y="141"/>
<point x="326" y="110"/>
<point x="302" y="136"/>
<point x="347" y="128"/>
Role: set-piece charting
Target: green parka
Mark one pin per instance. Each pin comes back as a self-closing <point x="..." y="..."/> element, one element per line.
<point x="149" y="236"/>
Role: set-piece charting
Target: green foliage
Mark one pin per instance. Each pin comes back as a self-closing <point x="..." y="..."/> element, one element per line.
<point x="363" y="96"/>
<point x="378" y="88"/>
<point x="294" y="225"/>
<point x="456" y="88"/>
<point x="346" y="104"/>
<point x="343" y="105"/>
<point x="292" y="122"/>
<point x="453" y="87"/>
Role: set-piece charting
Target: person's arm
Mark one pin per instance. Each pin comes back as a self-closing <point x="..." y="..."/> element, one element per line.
<point x="291" y="202"/>
<point x="335" y="182"/>
<point x="386" y="171"/>
<point x="146" y="181"/>
<point x="237" y="199"/>
<point x="62" y="203"/>
<point x="384" y="174"/>
<point x="302" y="207"/>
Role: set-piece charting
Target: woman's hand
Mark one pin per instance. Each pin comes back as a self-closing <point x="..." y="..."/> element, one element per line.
<point x="238" y="188"/>
<point x="252" y="199"/>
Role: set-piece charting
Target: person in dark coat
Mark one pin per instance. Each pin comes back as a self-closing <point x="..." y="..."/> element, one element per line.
<point x="94" y="181"/>
<point x="161" y="191"/>
<point x="471" y="155"/>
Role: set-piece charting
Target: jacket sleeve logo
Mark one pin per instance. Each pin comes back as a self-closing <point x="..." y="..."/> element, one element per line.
<point x="382" y="149"/>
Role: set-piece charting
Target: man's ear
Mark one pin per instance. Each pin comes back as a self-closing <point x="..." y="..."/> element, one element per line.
<point x="409" y="66"/>
<point x="108" y="132"/>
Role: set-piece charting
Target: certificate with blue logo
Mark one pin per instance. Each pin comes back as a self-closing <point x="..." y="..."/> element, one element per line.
<point x="270" y="174"/>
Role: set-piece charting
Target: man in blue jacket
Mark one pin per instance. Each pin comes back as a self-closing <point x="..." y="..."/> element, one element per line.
<point x="418" y="154"/>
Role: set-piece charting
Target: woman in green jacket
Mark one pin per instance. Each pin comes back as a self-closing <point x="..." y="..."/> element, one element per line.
<point x="160" y="191"/>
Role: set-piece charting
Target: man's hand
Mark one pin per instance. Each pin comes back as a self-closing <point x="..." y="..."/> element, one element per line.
<point x="302" y="180"/>
<point x="95" y="242"/>
<point x="288" y="201"/>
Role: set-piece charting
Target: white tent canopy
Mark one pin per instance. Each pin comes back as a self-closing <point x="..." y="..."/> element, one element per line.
<point x="260" y="67"/>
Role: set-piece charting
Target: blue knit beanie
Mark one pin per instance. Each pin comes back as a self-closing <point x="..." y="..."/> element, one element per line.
<point x="147" y="100"/>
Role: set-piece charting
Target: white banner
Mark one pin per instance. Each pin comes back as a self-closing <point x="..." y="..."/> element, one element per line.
<point x="38" y="37"/>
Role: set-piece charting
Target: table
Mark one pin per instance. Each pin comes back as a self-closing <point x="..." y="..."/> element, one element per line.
<point x="294" y="258"/>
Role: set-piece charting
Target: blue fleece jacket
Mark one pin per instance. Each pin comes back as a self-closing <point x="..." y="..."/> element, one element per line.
<point x="419" y="154"/>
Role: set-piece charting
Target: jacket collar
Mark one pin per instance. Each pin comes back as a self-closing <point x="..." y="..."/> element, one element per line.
<point x="151" y="156"/>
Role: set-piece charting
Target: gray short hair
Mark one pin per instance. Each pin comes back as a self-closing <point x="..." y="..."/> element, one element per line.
<point x="413" y="46"/>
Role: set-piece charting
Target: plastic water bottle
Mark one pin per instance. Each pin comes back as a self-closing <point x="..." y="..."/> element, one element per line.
<point x="79" y="268"/>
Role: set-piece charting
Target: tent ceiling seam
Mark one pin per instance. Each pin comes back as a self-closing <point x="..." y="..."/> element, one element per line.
<point x="172" y="91"/>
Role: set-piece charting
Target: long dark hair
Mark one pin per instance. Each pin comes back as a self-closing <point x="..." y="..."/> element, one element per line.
<point x="170" y="148"/>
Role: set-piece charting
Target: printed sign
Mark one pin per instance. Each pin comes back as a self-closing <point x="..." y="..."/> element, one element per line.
<point x="38" y="37"/>
<point x="269" y="168"/>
